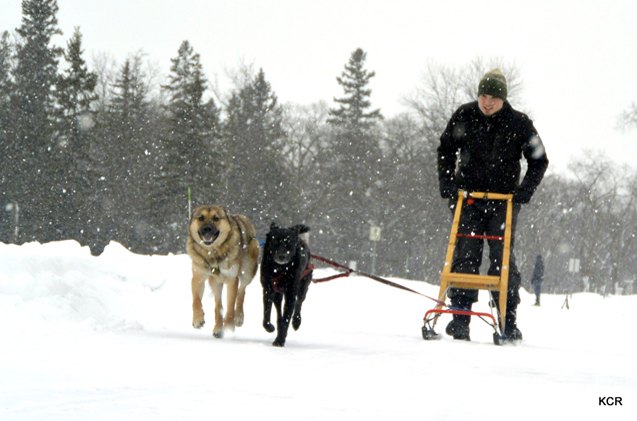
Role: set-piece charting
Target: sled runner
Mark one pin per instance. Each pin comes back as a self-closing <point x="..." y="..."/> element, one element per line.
<point x="449" y="279"/>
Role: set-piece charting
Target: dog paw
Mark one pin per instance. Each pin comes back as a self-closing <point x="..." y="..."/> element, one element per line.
<point x="217" y="331"/>
<point x="296" y="322"/>
<point x="279" y="343"/>
<point x="197" y="324"/>
<point x="269" y="327"/>
<point x="229" y="325"/>
<point x="238" y="319"/>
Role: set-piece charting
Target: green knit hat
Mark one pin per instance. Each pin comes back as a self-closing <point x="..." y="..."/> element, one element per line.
<point x="493" y="83"/>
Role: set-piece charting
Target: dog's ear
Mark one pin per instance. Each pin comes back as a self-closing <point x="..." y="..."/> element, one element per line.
<point x="273" y="226"/>
<point x="303" y="233"/>
<point x="301" y="228"/>
<point x="195" y="211"/>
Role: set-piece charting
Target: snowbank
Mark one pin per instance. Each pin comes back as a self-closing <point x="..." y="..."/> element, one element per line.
<point x="109" y="337"/>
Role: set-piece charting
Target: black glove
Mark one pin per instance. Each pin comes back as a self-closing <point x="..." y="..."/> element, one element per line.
<point x="448" y="190"/>
<point x="522" y="196"/>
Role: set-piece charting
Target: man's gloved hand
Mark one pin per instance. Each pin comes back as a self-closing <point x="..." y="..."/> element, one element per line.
<point x="522" y="196"/>
<point x="448" y="190"/>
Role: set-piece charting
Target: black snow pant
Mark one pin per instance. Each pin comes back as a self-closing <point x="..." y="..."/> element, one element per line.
<point x="484" y="217"/>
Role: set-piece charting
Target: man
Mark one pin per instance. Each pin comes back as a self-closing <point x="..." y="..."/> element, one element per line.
<point x="481" y="150"/>
<point x="536" y="279"/>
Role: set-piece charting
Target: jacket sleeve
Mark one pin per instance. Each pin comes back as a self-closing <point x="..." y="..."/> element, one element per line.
<point x="535" y="155"/>
<point x="447" y="157"/>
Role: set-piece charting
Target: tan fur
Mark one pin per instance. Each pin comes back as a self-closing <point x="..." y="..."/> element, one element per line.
<point x="230" y="260"/>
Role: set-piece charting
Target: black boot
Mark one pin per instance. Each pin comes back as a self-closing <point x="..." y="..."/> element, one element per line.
<point x="511" y="330"/>
<point x="459" y="327"/>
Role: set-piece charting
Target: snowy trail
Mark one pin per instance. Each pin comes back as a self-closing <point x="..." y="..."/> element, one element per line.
<point x="106" y="338"/>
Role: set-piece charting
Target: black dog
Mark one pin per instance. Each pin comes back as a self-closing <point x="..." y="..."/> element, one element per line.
<point x="285" y="272"/>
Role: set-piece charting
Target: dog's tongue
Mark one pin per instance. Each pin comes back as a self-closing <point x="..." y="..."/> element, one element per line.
<point x="208" y="238"/>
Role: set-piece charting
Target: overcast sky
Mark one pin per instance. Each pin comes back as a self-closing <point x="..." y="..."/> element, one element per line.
<point x="577" y="58"/>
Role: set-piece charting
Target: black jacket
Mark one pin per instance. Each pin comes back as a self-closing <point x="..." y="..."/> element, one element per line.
<point x="538" y="271"/>
<point x="490" y="150"/>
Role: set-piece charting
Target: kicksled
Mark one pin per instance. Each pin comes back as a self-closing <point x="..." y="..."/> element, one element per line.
<point x="451" y="279"/>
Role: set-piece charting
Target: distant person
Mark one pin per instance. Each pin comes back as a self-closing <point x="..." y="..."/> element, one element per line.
<point x="537" y="278"/>
<point x="480" y="151"/>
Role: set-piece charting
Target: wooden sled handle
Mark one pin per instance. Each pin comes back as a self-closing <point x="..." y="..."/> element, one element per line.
<point x="486" y="195"/>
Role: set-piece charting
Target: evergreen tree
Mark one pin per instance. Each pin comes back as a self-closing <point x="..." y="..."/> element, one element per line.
<point x="8" y="156"/>
<point x="6" y="86"/>
<point x="124" y="138"/>
<point x="75" y="93"/>
<point x="73" y="161"/>
<point x="129" y="104"/>
<point x="256" y="181"/>
<point x="352" y="112"/>
<point x="356" y="163"/>
<point x="192" y="135"/>
<point x="35" y="76"/>
<point x="129" y="163"/>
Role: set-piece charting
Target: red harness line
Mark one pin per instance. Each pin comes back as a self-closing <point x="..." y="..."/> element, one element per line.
<point x="349" y="270"/>
<point x="331" y="263"/>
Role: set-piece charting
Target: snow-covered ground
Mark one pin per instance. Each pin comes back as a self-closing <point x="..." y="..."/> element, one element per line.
<point x="109" y="338"/>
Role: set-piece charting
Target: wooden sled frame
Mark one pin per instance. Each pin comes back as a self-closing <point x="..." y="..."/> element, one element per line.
<point x="449" y="279"/>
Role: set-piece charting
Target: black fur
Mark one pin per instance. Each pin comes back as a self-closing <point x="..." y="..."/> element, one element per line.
<point x="284" y="273"/>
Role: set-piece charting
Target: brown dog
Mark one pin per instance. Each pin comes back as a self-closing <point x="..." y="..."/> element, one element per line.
<point x="224" y="250"/>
